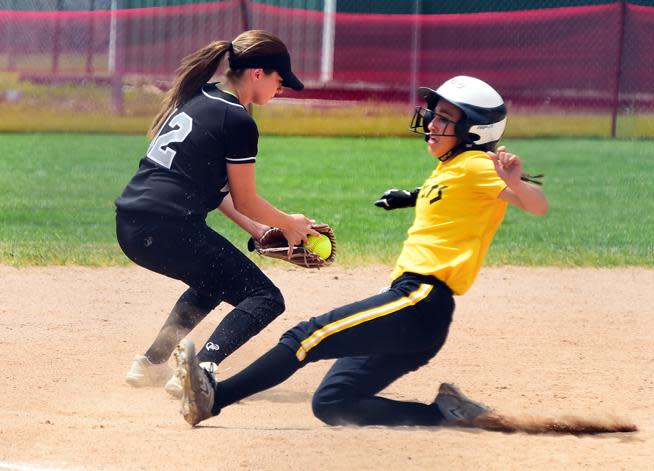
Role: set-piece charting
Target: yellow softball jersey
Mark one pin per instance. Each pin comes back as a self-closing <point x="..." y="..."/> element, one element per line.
<point x="457" y="214"/>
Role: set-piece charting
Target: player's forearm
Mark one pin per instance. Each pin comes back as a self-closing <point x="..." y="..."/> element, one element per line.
<point x="531" y="198"/>
<point x="260" y="210"/>
<point x="253" y="228"/>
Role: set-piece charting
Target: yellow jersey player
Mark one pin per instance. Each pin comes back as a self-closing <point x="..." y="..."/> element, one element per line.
<point x="381" y="338"/>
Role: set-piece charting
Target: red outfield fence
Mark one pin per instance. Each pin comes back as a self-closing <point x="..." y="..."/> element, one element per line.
<point x="591" y="58"/>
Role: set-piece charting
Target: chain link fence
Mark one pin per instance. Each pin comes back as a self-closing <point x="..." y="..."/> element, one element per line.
<point x="564" y="67"/>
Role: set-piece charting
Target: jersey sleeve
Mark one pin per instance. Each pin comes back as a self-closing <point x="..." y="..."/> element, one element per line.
<point x="483" y="177"/>
<point x="241" y="138"/>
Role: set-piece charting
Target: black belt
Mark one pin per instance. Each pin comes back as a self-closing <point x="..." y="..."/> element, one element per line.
<point x="428" y="279"/>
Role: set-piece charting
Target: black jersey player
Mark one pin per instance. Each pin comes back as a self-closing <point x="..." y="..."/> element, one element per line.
<point x="381" y="338"/>
<point x="202" y="157"/>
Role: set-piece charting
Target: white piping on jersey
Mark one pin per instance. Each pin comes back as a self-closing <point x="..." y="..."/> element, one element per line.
<point x="244" y="159"/>
<point x="222" y="99"/>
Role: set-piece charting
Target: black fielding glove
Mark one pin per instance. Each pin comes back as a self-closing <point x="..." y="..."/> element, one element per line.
<point x="394" y="199"/>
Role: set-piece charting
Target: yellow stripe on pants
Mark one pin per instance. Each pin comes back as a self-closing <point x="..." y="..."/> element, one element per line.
<point x="360" y="317"/>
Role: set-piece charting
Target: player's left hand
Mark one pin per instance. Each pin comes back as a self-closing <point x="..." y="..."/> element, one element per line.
<point x="259" y="230"/>
<point x="394" y="199"/>
<point x="507" y="165"/>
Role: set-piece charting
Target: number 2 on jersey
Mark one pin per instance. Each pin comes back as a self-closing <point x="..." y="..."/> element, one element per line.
<point x="159" y="150"/>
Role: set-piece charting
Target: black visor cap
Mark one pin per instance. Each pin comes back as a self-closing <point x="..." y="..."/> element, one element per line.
<point x="278" y="62"/>
<point x="429" y="95"/>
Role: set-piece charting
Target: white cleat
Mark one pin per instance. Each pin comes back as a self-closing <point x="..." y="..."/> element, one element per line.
<point x="197" y="384"/>
<point x="144" y="373"/>
<point x="174" y="385"/>
<point x="456" y="407"/>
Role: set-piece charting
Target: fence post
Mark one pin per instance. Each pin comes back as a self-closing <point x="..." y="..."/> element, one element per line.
<point x="56" y="46"/>
<point x="113" y="65"/>
<point x="328" y="39"/>
<point x="618" y="69"/>
<point x="12" y="32"/>
<point x="245" y="15"/>
<point x="89" y="50"/>
<point x="415" y="52"/>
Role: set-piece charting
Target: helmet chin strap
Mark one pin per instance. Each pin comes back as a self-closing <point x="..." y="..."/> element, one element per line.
<point x="446" y="156"/>
<point x="454" y="151"/>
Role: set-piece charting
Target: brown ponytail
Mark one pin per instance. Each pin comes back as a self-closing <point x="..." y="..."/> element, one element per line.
<point x="196" y="70"/>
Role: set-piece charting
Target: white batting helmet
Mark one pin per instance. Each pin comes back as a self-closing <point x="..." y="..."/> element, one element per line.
<point x="484" y="113"/>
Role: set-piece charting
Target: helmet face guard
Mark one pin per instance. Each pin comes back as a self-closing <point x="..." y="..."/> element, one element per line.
<point x="421" y="119"/>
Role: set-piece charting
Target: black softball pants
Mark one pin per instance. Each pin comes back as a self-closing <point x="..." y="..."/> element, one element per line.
<point x="190" y="251"/>
<point x="375" y="342"/>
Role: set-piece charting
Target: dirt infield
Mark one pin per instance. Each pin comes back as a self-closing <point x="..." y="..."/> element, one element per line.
<point x="542" y="342"/>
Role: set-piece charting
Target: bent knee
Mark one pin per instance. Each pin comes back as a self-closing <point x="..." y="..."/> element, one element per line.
<point x="334" y="405"/>
<point x="329" y="412"/>
<point x="269" y="296"/>
<point x="276" y="299"/>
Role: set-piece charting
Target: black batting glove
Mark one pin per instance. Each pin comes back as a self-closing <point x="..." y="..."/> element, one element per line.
<point x="394" y="199"/>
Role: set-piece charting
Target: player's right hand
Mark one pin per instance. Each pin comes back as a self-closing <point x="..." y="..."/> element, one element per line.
<point x="297" y="229"/>
<point x="394" y="199"/>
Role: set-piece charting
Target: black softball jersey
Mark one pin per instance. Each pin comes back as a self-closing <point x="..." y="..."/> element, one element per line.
<point x="184" y="172"/>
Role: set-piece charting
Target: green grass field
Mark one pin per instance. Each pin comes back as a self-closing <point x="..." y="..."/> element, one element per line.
<point x="57" y="192"/>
